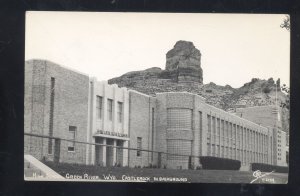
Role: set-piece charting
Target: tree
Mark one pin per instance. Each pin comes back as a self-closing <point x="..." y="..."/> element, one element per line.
<point x="286" y="23"/>
<point x="286" y="90"/>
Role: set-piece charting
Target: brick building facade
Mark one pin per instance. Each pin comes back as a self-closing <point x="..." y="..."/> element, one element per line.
<point x="64" y="103"/>
<point x="269" y="116"/>
<point x="55" y="104"/>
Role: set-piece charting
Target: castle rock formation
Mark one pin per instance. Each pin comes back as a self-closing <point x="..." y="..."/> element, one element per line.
<point x="184" y="63"/>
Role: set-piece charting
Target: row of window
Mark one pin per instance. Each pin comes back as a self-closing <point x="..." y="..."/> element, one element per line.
<point x="235" y="135"/>
<point x="243" y="155"/>
<point x="71" y="144"/>
<point x="110" y="105"/>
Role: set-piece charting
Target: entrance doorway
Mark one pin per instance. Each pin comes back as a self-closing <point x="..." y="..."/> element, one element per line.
<point x="119" y="151"/>
<point x="109" y="152"/>
<point x="99" y="152"/>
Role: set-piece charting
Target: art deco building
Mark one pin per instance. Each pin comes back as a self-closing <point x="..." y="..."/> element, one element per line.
<point x="64" y="103"/>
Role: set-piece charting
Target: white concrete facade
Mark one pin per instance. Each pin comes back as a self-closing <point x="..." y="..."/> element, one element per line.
<point x="108" y="123"/>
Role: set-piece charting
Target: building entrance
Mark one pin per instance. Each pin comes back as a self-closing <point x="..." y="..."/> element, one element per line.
<point x="109" y="155"/>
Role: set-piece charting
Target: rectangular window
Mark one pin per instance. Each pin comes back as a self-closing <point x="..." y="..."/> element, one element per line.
<point x="218" y="131"/>
<point x="234" y="141"/>
<point x="120" y="112"/>
<point x="230" y="132"/>
<point x="179" y="118"/>
<point x="222" y="133"/>
<point x="226" y="131"/>
<point x="218" y="151"/>
<point x="200" y="134"/>
<point x="51" y="116"/>
<point x="99" y="107"/>
<point x="72" y="133"/>
<point x="208" y="127"/>
<point x="152" y="132"/>
<point x="213" y="153"/>
<point x="213" y="130"/>
<point x="110" y="109"/>
<point x="139" y="146"/>
<point x="208" y="149"/>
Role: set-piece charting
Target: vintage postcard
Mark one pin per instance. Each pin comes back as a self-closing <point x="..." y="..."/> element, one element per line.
<point x="156" y="97"/>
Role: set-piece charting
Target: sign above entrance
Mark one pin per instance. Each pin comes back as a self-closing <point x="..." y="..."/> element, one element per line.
<point x="109" y="133"/>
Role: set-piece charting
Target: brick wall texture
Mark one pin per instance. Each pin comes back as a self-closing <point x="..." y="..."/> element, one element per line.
<point x="70" y="107"/>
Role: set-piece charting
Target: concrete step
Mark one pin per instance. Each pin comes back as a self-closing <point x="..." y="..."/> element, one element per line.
<point x="35" y="169"/>
<point x="26" y="164"/>
<point x="33" y="172"/>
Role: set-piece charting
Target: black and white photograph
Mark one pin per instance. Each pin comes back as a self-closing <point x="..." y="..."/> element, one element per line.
<point x="157" y="97"/>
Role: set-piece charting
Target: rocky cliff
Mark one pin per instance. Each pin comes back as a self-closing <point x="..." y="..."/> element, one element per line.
<point x="183" y="73"/>
<point x="184" y="63"/>
<point x="182" y="66"/>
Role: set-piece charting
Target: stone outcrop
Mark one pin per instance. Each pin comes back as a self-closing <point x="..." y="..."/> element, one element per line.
<point x="182" y="66"/>
<point x="184" y="73"/>
<point x="183" y="63"/>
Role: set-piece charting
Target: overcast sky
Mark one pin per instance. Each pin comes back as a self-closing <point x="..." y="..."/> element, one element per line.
<point x="234" y="48"/>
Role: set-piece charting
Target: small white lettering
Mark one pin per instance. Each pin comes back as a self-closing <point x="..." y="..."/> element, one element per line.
<point x="135" y="178"/>
<point x="69" y="176"/>
<point x="109" y="177"/>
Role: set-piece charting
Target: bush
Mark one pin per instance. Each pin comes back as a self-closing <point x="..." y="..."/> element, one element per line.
<point x="198" y="167"/>
<point x="268" y="168"/>
<point x="266" y="90"/>
<point x="217" y="163"/>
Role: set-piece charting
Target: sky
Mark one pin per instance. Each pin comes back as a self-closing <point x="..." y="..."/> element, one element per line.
<point x="235" y="47"/>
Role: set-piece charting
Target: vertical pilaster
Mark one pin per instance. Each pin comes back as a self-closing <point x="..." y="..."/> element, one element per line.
<point x="104" y="152"/>
<point x="219" y="135"/>
<point x="105" y="120"/>
<point x="211" y="134"/>
<point x="254" y="143"/>
<point x="257" y="146"/>
<point x="115" y="109"/>
<point x="236" y="138"/>
<point x="215" y="132"/>
<point x="114" y="152"/>
<point x="125" y="154"/>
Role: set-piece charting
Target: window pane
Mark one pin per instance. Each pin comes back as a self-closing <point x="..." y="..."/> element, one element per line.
<point x="72" y="133"/>
<point x="120" y="112"/>
<point x="99" y="107"/>
<point x="109" y="108"/>
<point x="179" y="118"/>
<point x="139" y="146"/>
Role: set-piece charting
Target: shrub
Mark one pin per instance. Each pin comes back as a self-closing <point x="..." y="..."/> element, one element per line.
<point x="266" y="90"/>
<point x="198" y="167"/>
<point x="217" y="163"/>
<point x="268" y="168"/>
<point x="118" y="165"/>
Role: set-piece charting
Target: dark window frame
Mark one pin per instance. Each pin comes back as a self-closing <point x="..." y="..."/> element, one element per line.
<point x="110" y="109"/>
<point x="139" y="146"/>
<point x="99" y="106"/>
<point x="72" y="130"/>
<point x="120" y="112"/>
